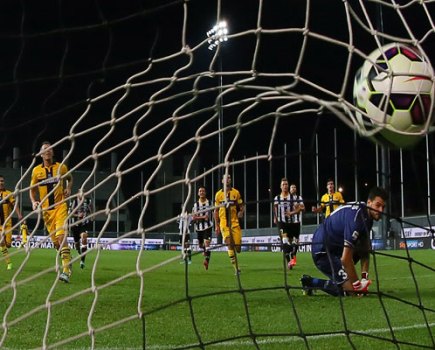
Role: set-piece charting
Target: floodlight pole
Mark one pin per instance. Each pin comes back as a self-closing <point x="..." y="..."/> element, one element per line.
<point x="217" y="35"/>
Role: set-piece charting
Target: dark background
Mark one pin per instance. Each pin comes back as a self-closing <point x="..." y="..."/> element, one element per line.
<point x="67" y="66"/>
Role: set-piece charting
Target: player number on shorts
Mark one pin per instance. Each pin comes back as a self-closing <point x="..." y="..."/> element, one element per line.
<point x="342" y="274"/>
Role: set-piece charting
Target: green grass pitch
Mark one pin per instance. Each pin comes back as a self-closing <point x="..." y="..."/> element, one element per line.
<point x="263" y="309"/>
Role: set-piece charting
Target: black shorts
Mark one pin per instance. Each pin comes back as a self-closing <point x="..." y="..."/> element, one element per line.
<point x="292" y="230"/>
<point x="204" y="235"/>
<point x="76" y="230"/>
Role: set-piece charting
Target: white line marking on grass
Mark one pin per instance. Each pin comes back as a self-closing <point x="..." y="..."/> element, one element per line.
<point x="289" y="340"/>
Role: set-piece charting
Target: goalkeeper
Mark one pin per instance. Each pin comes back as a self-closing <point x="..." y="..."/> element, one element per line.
<point x="340" y="241"/>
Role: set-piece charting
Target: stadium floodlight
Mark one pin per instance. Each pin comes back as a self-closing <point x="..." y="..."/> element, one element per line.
<point x="217" y="35"/>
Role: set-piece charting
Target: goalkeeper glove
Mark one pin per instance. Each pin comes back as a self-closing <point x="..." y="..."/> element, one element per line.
<point x="361" y="286"/>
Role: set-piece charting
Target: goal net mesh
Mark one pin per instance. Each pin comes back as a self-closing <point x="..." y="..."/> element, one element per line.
<point x="140" y="88"/>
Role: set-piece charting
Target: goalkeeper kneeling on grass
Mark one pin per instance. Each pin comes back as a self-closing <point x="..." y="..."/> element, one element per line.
<point x="340" y="242"/>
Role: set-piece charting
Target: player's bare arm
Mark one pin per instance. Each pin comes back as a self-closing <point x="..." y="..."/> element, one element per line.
<point x="349" y="268"/>
<point x="365" y="264"/>
<point x="317" y="209"/>
<point x="69" y="182"/>
<point x="33" y="197"/>
<point x="199" y="216"/>
<point x="365" y="257"/>
<point x="241" y="211"/>
<point x="297" y="209"/>
<point x="17" y="210"/>
<point x="216" y="220"/>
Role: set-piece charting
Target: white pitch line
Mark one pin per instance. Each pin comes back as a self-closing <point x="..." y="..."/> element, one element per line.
<point x="298" y="339"/>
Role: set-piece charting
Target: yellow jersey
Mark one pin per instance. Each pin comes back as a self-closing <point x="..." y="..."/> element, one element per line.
<point x="6" y="207"/>
<point x="233" y="200"/>
<point x="331" y="201"/>
<point x="49" y="181"/>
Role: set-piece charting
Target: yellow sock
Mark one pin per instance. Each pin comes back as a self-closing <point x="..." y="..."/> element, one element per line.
<point x="231" y="256"/>
<point x="23" y="234"/>
<point x="5" y="254"/>
<point x="65" y="254"/>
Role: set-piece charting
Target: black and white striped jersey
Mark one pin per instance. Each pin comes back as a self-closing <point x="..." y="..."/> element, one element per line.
<point x="202" y="209"/>
<point x="84" y="209"/>
<point x="286" y="204"/>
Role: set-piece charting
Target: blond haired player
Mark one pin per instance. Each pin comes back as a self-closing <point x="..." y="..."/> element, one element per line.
<point x="7" y="205"/>
<point x="229" y="208"/>
<point x="50" y="185"/>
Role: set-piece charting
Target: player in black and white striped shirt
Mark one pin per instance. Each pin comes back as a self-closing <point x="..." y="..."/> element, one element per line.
<point x="202" y="219"/>
<point x="288" y="206"/>
<point x="80" y="223"/>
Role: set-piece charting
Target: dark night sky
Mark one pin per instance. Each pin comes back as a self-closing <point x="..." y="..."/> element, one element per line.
<point x="55" y="55"/>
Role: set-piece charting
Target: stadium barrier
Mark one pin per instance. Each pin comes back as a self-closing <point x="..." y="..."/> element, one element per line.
<point x="412" y="238"/>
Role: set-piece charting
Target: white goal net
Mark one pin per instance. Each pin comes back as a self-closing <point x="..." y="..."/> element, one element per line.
<point x="147" y="101"/>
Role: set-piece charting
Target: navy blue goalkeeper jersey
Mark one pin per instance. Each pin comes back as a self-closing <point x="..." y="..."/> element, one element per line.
<point x="344" y="227"/>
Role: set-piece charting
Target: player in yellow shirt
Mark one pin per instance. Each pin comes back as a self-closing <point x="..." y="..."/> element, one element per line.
<point x="50" y="185"/>
<point x="229" y="208"/>
<point x="330" y="201"/>
<point x="7" y="207"/>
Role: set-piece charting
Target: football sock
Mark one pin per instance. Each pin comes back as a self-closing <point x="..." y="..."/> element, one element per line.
<point x="207" y="254"/>
<point x="287" y="249"/>
<point x="188" y="253"/>
<point x="65" y="254"/>
<point x="231" y="253"/>
<point x="77" y="246"/>
<point x="84" y="248"/>
<point x="232" y="257"/>
<point x="294" y="250"/>
<point x="5" y="254"/>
